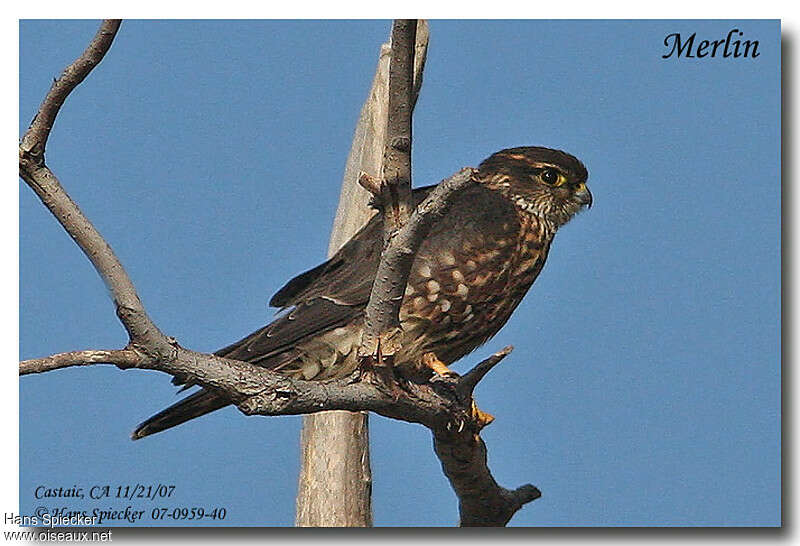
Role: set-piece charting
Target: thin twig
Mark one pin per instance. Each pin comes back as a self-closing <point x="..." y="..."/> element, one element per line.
<point x="468" y="381"/>
<point x="35" y="139"/>
<point x="126" y="300"/>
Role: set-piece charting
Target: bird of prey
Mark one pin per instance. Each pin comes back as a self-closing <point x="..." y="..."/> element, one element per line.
<point x="469" y="275"/>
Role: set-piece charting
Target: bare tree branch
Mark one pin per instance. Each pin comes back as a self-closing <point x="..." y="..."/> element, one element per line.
<point x="120" y="357"/>
<point x="128" y="305"/>
<point x="469" y="381"/>
<point x="35" y="139"/>
<point x="41" y="180"/>
<point x="381" y="321"/>
<point x="258" y="391"/>
<point x="446" y="408"/>
<point x="481" y="501"/>
<point x="397" y="148"/>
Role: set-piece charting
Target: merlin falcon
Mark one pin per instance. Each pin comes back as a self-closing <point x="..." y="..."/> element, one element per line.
<point x="469" y="275"/>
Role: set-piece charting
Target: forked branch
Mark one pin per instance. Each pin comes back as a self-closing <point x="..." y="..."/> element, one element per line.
<point x="446" y="408"/>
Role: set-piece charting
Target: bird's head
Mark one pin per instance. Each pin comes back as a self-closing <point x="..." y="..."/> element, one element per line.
<point x="548" y="183"/>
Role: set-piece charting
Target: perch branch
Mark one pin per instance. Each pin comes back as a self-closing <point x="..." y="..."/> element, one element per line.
<point x="445" y="408"/>
<point x="258" y="391"/>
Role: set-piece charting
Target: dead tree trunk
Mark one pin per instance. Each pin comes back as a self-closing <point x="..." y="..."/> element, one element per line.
<point x="335" y="483"/>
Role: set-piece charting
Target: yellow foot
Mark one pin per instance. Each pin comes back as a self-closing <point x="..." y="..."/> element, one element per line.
<point x="431" y="361"/>
<point x="481" y="417"/>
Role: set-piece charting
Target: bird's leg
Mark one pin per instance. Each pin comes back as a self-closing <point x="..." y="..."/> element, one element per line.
<point x="432" y="362"/>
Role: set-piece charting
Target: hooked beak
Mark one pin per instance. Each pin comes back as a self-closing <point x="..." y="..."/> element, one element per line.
<point x="584" y="197"/>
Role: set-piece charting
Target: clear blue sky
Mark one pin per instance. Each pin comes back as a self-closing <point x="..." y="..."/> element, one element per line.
<point x="645" y="384"/>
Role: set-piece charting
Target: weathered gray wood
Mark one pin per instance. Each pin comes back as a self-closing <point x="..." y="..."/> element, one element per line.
<point x="335" y="483"/>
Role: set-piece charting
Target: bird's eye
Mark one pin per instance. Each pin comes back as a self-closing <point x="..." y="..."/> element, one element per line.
<point x="549" y="176"/>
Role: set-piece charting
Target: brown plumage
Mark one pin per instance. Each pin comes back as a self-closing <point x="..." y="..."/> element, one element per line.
<point x="470" y="273"/>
